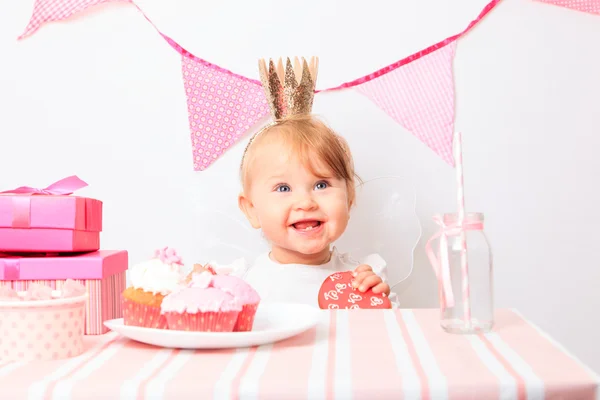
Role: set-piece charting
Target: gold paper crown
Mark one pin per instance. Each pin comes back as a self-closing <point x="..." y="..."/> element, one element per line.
<point x="290" y="91"/>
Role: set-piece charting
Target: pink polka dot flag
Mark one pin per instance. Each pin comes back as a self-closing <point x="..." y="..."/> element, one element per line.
<point x="221" y="108"/>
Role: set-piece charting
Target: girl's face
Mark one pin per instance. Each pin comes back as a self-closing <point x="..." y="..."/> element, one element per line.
<point x="300" y="212"/>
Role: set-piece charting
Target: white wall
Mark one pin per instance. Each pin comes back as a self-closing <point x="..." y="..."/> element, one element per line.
<point x="101" y="96"/>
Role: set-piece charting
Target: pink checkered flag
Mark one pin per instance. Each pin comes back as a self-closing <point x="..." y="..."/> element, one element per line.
<point x="589" y="6"/>
<point x="420" y="97"/>
<point x="57" y="10"/>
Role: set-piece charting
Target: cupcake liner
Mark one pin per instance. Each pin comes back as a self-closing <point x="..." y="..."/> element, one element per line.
<point x="202" y="321"/>
<point x="245" y="319"/>
<point x="143" y="315"/>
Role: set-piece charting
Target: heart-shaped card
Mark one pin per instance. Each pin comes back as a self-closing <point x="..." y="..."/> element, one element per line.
<point x="337" y="293"/>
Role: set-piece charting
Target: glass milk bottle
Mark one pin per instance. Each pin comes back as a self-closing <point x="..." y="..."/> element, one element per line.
<point x="473" y="308"/>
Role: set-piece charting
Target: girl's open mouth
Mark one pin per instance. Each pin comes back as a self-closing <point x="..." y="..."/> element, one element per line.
<point x="306" y="226"/>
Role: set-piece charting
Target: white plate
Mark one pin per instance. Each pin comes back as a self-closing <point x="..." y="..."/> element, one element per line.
<point x="273" y="322"/>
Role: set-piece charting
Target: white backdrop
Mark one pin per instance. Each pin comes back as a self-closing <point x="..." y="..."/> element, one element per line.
<point x="101" y="96"/>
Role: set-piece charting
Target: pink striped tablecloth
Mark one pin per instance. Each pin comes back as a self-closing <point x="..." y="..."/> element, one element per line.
<point x="358" y="354"/>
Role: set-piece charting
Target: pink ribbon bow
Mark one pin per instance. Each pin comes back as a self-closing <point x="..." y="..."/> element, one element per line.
<point x="22" y="204"/>
<point x="441" y="264"/>
<point x="65" y="186"/>
<point x="168" y="256"/>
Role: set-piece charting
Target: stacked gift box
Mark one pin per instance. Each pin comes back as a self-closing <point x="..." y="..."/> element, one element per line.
<point x="50" y="235"/>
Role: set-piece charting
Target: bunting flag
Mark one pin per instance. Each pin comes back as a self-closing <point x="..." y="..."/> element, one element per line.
<point x="57" y="10"/>
<point x="416" y="91"/>
<point x="222" y="106"/>
<point x="420" y="97"/>
<point x="588" y="6"/>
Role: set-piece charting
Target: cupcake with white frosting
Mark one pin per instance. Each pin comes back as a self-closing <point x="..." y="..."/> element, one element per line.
<point x="151" y="281"/>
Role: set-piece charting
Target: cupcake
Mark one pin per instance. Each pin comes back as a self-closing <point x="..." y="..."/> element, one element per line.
<point x="244" y="293"/>
<point x="200" y="307"/>
<point x="151" y="281"/>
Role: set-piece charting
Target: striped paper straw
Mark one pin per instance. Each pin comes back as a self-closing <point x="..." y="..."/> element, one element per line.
<point x="461" y="219"/>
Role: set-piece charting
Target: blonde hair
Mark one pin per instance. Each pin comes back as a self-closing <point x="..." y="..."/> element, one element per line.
<point x="307" y="136"/>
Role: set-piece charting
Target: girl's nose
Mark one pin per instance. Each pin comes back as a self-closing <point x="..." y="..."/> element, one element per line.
<point x="305" y="202"/>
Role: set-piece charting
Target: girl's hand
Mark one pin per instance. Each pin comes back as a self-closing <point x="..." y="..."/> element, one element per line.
<point x="365" y="279"/>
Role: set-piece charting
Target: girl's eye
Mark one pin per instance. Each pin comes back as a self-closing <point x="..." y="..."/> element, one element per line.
<point x="321" y="185"/>
<point x="283" y="188"/>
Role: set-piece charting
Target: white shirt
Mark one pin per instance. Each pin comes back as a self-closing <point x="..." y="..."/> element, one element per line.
<point x="299" y="283"/>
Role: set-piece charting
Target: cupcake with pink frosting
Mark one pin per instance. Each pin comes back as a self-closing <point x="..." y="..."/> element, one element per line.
<point x="201" y="307"/>
<point x="244" y="293"/>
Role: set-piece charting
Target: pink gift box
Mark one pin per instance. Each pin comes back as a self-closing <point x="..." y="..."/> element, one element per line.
<point x="48" y="219"/>
<point x="49" y="223"/>
<point x="101" y="272"/>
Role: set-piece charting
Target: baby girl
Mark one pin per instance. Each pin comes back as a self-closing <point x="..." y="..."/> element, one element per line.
<point x="298" y="185"/>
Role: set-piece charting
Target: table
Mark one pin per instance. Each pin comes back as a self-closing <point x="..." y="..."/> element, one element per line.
<point x="356" y="354"/>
